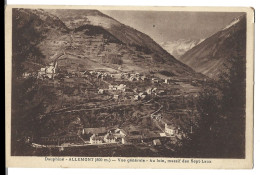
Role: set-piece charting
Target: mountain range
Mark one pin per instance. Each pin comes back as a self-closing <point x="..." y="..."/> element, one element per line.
<point x="99" y="41"/>
<point x="211" y="56"/>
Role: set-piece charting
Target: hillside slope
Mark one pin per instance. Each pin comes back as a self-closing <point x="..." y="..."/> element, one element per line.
<point x="76" y="18"/>
<point x="131" y="38"/>
<point x="210" y="56"/>
<point x="31" y="30"/>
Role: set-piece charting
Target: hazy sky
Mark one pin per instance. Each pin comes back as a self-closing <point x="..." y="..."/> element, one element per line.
<point x="169" y="26"/>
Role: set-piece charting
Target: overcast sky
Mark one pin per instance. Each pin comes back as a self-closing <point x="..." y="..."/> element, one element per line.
<point x="169" y="26"/>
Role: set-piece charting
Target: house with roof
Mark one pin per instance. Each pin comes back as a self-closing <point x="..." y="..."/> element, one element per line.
<point x="157" y="142"/>
<point x="170" y="129"/>
<point x="141" y="93"/>
<point x="48" y="71"/>
<point x="144" y="78"/>
<point x="109" y="138"/>
<point x="86" y="137"/>
<point x="132" y="78"/>
<point x="51" y="69"/>
<point x="125" y="75"/>
<point x="99" y="131"/>
<point x="101" y="91"/>
<point x="149" y="91"/>
<point x="162" y="134"/>
<point x="118" y="133"/>
<point x="26" y="75"/>
<point x="116" y="97"/>
<point x="136" y="97"/>
<point x="155" y="80"/>
<point x="156" y="116"/>
<point x="92" y="72"/>
<point x="112" y="87"/>
<point x="95" y="139"/>
<point x="154" y="90"/>
<point x="161" y="92"/>
<point x="99" y="75"/>
<point x="169" y="81"/>
<point x="123" y="140"/>
<point x="41" y="73"/>
<point x="143" y="96"/>
<point x="83" y="72"/>
<point x="121" y="87"/>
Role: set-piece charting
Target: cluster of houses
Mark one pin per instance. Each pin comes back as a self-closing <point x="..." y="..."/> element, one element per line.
<point x="150" y="91"/>
<point x="136" y="77"/>
<point x="156" y="116"/>
<point x="96" y="136"/>
<point x="174" y="131"/>
<point x="131" y="77"/>
<point x="140" y="96"/>
<point x="48" y="71"/>
<point x="102" y="136"/>
<point x="28" y="75"/>
<point x="100" y="75"/>
<point x="169" y="129"/>
<point x="147" y="92"/>
<point x="115" y="89"/>
<point x="126" y="76"/>
<point x="121" y="87"/>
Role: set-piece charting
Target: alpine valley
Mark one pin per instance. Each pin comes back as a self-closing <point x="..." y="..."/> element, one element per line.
<point x="84" y="84"/>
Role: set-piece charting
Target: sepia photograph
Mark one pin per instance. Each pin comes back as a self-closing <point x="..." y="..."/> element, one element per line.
<point x="126" y="83"/>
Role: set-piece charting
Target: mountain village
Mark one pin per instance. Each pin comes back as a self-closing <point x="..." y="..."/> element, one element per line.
<point x="117" y="87"/>
<point x="88" y="85"/>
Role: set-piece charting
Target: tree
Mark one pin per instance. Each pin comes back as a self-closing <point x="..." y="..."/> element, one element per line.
<point x="208" y="106"/>
<point x="202" y="141"/>
<point x="233" y="88"/>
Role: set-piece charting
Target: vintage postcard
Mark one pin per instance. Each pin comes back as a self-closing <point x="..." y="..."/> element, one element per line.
<point x="129" y="87"/>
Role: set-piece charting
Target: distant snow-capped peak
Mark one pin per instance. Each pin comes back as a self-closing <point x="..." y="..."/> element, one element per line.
<point x="179" y="47"/>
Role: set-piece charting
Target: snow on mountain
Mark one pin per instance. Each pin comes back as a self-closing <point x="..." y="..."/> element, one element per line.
<point x="211" y="56"/>
<point x="236" y="20"/>
<point x="179" y="47"/>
